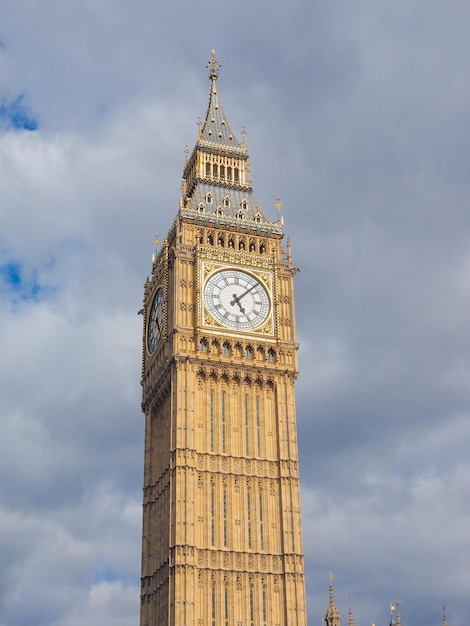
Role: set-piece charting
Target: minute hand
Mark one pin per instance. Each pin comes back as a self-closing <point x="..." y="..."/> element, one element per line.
<point x="238" y="298"/>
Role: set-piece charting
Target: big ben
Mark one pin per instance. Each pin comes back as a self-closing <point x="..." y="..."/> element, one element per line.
<point x="222" y="540"/>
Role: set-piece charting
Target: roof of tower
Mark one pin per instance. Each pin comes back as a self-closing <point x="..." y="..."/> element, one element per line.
<point x="216" y="129"/>
<point x="217" y="186"/>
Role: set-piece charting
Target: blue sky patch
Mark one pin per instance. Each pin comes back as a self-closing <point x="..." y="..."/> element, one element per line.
<point x="16" y="114"/>
<point x="104" y="574"/>
<point x="12" y="276"/>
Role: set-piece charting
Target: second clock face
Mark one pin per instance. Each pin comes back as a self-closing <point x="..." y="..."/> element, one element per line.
<point x="236" y="299"/>
<point x="155" y="324"/>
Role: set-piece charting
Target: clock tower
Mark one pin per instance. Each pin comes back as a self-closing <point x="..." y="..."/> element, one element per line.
<point x="222" y="541"/>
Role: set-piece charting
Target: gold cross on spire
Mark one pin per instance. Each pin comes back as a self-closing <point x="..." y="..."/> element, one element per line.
<point x="214" y="67"/>
<point x="156" y="241"/>
<point x="278" y="206"/>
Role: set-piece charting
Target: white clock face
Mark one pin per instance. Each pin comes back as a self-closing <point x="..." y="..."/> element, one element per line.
<point x="236" y="299"/>
<point x="155" y="324"/>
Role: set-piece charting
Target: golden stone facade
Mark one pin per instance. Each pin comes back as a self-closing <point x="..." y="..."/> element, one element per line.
<point x="222" y="541"/>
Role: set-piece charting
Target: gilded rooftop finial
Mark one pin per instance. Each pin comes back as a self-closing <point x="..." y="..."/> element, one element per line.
<point x="213" y="66"/>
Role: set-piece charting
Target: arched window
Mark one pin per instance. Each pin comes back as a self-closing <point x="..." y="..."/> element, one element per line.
<point x="248" y="352"/>
<point x="203" y="345"/>
<point x="226" y="349"/>
<point x="271" y="355"/>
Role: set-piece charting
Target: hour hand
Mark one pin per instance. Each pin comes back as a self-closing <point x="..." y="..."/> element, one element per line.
<point x="236" y="300"/>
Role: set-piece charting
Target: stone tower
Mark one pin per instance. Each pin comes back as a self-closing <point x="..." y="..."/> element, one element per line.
<point x="222" y="541"/>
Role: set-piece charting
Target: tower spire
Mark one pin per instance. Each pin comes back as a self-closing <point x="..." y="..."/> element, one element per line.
<point x="332" y="615"/>
<point x="398" y="614"/>
<point x="217" y="179"/>
<point x="444" y="618"/>
<point x="351" y="619"/>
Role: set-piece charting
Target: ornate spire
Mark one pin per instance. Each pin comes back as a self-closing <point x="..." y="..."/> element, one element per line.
<point x="444" y="618"/>
<point x="351" y="619"/>
<point x="217" y="184"/>
<point x="398" y="614"/>
<point x="332" y="616"/>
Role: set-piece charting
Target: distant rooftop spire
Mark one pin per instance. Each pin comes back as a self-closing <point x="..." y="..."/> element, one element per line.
<point x="444" y="618"/>
<point x="332" y="616"/>
<point x="214" y="67"/>
<point x="351" y="619"/>
<point x="398" y="614"/>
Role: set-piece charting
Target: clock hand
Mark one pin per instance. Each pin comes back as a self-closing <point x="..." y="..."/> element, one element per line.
<point x="247" y="291"/>
<point x="236" y="300"/>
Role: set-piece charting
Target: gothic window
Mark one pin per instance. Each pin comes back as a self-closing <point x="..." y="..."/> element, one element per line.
<point x="239" y="215"/>
<point x="271" y="355"/>
<point x="201" y="208"/>
<point x="226" y="201"/>
<point x="222" y="171"/>
<point x="225" y="517"/>
<point x="229" y="173"/>
<point x="222" y="408"/>
<point x="203" y="345"/>
<point x="231" y="242"/>
<point x="247" y="427"/>
<point x="213" y="520"/>
<point x="262" y="248"/>
<point x="248" y="515"/>
<point x="215" y="170"/>
<point x="208" y="169"/>
<point x="226" y="349"/>
<point x="260" y="353"/>
<point x="236" y="174"/>
<point x="252" y="246"/>
<point x="243" y="205"/>
<point x="221" y="240"/>
<point x="210" y="239"/>
<point x="211" y="420"/>
<point x="249" y="352"/>
<point x="241" y="244"/>
<point x="208" y="195"/>
<point x="258" y="427"/>
<point x="258" y="217"/>
<point x="261" y="533"/>
<point x="219" y="211"/>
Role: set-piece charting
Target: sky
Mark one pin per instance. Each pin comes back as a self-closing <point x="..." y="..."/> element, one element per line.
<point x="357" y="117"/>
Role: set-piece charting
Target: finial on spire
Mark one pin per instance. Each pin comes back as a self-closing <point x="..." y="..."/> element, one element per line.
<point x="156" y="241"/>
<point x="214" y="67"/>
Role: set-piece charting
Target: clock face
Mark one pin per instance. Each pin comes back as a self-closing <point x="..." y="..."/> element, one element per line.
<point x="155" y="325"/>
<point x="236" y="299"/>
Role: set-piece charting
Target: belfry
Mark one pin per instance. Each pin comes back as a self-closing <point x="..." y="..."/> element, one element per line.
<point x="221" y="540"/>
